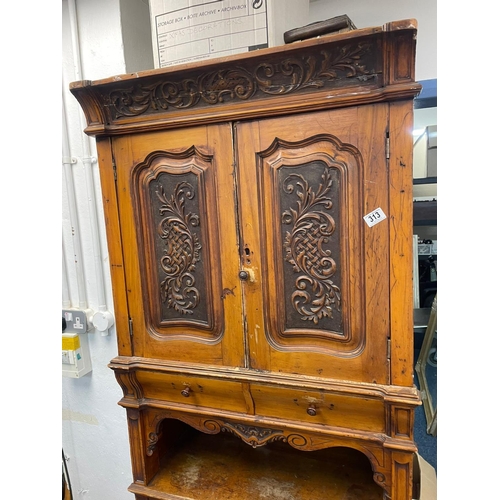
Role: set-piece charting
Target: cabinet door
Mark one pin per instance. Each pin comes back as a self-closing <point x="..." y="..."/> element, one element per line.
<point x="317" y="297"/>
<point x="176" y="199"/>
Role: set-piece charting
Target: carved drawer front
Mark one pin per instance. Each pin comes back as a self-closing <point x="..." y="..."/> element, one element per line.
<point x="196" y="391"/>
<point x="319" y="408"/>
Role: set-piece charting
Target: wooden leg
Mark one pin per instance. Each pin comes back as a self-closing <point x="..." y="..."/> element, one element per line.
<point x="402" y="476"/>
<point x="144" y="467"/>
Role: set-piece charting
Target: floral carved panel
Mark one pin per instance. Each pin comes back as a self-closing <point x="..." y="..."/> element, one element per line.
<point x="310" y="191"/>
<point x="171" y="191"/>
<point x="310" y="208"/>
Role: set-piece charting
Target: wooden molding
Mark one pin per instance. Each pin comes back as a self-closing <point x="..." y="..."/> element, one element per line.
<point x="343" y="69"/>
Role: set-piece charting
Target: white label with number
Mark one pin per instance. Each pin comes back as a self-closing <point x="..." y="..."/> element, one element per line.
<point x="375" y="217"/>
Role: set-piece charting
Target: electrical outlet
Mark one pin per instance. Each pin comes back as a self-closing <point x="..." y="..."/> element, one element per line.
<point x="76" y="321"/>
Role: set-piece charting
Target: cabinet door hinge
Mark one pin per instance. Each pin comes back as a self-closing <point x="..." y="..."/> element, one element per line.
<point x="114" y="168"/>
<point x="130" y="327"/>
<point x="388" y="348"/>
<point x="387" y="146"/>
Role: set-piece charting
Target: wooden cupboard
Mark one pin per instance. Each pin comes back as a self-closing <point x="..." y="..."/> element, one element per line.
<point x="259" y="222"/>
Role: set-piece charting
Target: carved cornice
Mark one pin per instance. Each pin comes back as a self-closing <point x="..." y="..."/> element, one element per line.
<point x="350" y="61"/>
<point x="335" y="70"/>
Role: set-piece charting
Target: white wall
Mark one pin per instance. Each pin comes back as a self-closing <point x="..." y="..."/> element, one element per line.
<point x="365" y="14"/>
<point x="136" y="32"/>
<point x="94" y="432"/>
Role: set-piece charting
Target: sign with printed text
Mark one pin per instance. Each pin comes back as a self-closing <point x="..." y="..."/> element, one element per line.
<point x="193" y="30"/>
<point x="374" y="217"/>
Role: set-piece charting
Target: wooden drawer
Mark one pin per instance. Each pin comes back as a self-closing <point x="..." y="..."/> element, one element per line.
<point x="354" y="412"/>
<point x="196" y="391"/>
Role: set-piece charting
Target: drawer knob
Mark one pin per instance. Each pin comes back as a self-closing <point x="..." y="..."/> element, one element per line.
<point x="186" y="392"/>
<point x="311" y="410"/>
<point x="243" y="275"/>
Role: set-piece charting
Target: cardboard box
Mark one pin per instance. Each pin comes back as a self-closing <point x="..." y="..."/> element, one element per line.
<point x="424" y="479"/>
<point x="192" y="30"/>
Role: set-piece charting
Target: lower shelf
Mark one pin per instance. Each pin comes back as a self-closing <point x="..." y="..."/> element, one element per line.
<point x="216" y="467"/>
